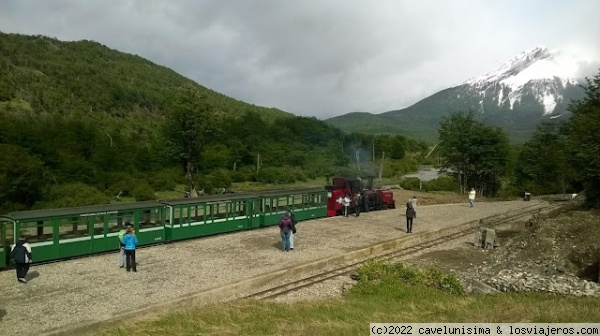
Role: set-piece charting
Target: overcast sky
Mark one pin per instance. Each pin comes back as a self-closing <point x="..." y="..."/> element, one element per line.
<point x="319" y="57"/>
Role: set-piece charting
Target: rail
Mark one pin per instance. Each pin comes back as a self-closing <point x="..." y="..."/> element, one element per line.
<point x="492" y="221"/>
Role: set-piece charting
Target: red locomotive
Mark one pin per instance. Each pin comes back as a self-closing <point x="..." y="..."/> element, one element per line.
<point x="372" y="199"/>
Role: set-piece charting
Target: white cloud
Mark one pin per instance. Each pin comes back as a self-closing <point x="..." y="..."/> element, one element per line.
<point x="315" y="57"/>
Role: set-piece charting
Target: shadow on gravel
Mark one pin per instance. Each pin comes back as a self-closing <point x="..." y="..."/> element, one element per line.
<point x="2" y="314"/>
<point x="32" y="275"/>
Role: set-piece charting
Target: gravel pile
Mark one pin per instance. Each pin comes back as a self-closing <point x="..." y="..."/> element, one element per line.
<point x="515" y="280"/>
<point x="95" y="288"/>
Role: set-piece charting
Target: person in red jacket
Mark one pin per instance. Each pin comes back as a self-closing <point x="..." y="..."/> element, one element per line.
<point x="286" y="225"/>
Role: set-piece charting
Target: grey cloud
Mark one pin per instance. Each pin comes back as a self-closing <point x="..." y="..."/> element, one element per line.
<point x="315" y="57"/>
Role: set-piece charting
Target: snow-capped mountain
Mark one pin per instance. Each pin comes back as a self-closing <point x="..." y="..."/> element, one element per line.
<point x="534" y="86"/>
<point x="537" y="73"/>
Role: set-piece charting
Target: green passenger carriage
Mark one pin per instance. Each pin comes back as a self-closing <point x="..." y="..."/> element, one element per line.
<point x="197" y="217"/>
<point x="304" y="203"/>
<point x="56" y="234"/>
<point x="70" y="232"/>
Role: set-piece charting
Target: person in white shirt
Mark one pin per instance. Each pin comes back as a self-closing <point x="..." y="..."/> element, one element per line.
<point x="346" y="205"/>
<point x="472" y="197"/>
<point x="413" y="202"/>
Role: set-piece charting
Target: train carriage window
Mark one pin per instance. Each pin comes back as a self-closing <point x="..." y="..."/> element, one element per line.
<point x="37" y="231"/>
<point x="176" y="220"/>
<point x="73" y="227"/>
<point x="221" y="210"/>
<point x="98" y="223"/>
<point x="151" y="218"/>
<point x="297" y="202"/>
<point x="184" y="215"/>
<point x="10" y="234"/>
<point x="197" y="213"/>
<point x="270" y="205"/>
<point x="282" y="203"/>
<point x="116" y="220"/>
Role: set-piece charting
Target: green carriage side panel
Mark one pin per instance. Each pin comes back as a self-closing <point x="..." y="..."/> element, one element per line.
<point x="150" y="225"/>
<point x="203" y="216"/>
<point x="72" y="232"/>
<point x="4" y="247"/>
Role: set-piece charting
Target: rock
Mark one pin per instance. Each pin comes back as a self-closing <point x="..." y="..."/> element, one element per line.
<point x="346" y="286"/>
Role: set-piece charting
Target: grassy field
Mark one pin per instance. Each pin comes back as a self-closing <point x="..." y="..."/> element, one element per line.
<point x="389" y="296"/>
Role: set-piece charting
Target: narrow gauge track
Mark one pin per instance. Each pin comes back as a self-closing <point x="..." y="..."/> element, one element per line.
<point x="346" y="270"/>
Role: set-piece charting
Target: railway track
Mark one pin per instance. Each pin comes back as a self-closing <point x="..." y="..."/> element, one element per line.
<point x="289" y="287"/>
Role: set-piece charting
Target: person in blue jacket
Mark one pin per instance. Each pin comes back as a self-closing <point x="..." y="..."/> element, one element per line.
<point x="130" y="241"/>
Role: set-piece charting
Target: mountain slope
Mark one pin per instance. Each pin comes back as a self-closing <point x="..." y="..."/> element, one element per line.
<point x="46" y="74"/>
<point x="534" y="86"/>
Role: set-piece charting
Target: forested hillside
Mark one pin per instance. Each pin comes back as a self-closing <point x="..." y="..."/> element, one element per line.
<point x="81" y="123"/>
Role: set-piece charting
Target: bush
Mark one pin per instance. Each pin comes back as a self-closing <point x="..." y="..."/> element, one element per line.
<point x="399" y="275"/>
<point x="166" y="179"/>
<point x="143" y="192"/>
<point x="71" y="195"/>
<point x="275" y="175"/>
<point x="442" y="183"/>
<point x="410" y="183"/>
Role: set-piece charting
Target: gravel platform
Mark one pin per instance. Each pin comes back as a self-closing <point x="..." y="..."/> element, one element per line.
<point x="95" y="288"/>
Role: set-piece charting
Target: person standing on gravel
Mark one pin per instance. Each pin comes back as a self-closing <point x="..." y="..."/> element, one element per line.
<point x="21" y="253"/>
<point x="346" y="204"/>
<point x="410" y="214"/>
<point x="285" y="226"/>
<point x="293" y="232"/>
<point x="130" y="241"/>
<point x="357" y="204"/>
<point x="413" y="202"/>
<point x="472" y="197"/>
<point x="121" y="245"/>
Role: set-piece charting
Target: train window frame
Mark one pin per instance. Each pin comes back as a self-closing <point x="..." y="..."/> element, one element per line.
<point x="33" y="224"/>
<point x="282" y="207"/>
<point x="70" y="223"/>
<point x="153" y="215"/>
<point x="120" y="218"/>
<point x="199" y="211"/>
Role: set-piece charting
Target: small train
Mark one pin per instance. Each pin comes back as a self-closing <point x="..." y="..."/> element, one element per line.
<point x="56" y="234"/>
<point x="372" y="199"/>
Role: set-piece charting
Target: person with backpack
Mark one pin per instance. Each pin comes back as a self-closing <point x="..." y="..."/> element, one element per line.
<point x="121" y="245"/>
<point x="21" y="254"/>
<point x="286" y="226"/>
<point x="294" y="221"/>
<point x="130" y="241"/>
<point x="410" y="214"/>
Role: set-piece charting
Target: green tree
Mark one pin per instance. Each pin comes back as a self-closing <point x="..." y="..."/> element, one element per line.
<point x="22" y="176"/>
<point x="191" y="124"/>
<point x="584" y="139"/>
<point x="544" y="166"/>
<point x="476" y="154"/>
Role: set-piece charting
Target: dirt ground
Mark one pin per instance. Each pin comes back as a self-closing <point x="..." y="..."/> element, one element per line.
<point x="557" y="252"/>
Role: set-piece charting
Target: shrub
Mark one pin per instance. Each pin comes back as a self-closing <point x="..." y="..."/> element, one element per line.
<point x="410" y="183"/>
<point x="275" y="175"/>
<point x="71" y="195"/>
<point x="397" y="274"/>
<point x="442" y="183"/>
<point x="143" y="192"/>
<point x="166" y="179"/>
